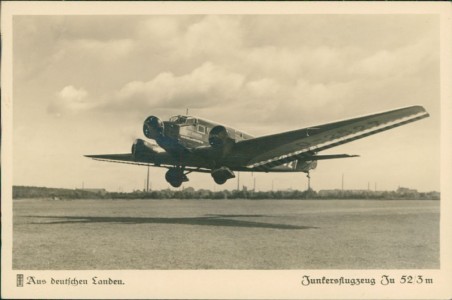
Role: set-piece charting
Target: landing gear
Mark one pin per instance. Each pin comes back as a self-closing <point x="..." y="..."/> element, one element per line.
<point x="220" y="179"/>
<point x="309" y="180"/>
<point x="221" y="175"/>
<point x="175" y="177"/>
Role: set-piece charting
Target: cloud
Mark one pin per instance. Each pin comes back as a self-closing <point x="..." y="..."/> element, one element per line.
<point x="213" y="35"/>
<point x="403" y="61"/>
<point x="93" y="27"/>
<point x="70" y="93"/>
<point x="68" y="42"/>
<point x="104" y="50"/>
<point x="159" y="29"/>
<point x="70" y="100"/>
<point x="227" y="66"/>
<point x="204" y="86"/>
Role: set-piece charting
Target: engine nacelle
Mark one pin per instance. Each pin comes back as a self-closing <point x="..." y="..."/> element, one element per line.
<point x="220" y="137"/>
<point x="142" y="148"/>
<point x="222" y="174"/>
<point x="306" y="166"/>
<point x="153" y="127"/>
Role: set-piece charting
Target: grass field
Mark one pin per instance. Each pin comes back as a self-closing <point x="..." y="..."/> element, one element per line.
<point x="226" y="234"/>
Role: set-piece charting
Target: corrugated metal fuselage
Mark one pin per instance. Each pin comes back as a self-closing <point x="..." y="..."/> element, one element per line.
<point x="187" y="145"/>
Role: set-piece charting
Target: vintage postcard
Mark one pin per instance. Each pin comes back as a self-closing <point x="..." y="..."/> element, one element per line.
<point x="226" y="150"/>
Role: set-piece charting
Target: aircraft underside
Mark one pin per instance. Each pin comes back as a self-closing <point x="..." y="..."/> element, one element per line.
<point x="177" y="175"/>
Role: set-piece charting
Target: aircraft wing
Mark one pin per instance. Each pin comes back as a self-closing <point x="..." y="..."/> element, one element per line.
<point x="126" y="157"/>
<point x="272" y="150"/>
<point x="163" y="160"/>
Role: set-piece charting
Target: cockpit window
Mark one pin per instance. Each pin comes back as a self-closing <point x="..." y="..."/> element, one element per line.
<point x="178" y="119"/>
<point x="181" y="120"/>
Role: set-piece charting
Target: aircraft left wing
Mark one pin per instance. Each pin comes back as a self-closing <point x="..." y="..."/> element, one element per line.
<point x="163" y="160"/>
<point x="126" y="157"/>
<point x="272" y="150"/>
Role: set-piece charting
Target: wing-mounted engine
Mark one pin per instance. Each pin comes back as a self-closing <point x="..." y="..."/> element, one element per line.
<point x="305" y="166"/>
<point x="222" y="139"/>
<point x="142" y="149"/>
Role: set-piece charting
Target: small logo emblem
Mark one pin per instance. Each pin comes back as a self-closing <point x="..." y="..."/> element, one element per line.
<point x="20" y="280"/>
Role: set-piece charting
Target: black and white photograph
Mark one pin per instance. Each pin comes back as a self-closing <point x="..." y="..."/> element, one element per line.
<point x="185" y="141"/>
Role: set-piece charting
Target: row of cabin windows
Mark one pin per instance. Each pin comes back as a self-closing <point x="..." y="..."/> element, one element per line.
<point x="188" y="121"/>
<point x="202" y="129"/>
<point x="192" y="121"/>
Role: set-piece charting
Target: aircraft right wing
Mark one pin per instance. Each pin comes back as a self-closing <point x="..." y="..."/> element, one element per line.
<point x="272" y="150"/>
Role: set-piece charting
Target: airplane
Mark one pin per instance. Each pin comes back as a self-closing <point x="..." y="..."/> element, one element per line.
<point x="186" y="144"/>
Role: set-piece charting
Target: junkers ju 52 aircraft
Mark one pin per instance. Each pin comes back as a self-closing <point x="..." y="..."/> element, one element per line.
<point x="186" y="144"/>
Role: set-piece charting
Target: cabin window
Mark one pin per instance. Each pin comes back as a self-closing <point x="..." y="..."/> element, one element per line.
<point x="202" y="128"/>
<point x="190" y="121"/>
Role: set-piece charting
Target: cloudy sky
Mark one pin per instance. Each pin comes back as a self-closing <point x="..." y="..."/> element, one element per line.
<point x="84" y="85"/>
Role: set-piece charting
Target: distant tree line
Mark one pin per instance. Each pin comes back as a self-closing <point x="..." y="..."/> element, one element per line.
<point x="27" y="192"/>
<point x="380" y="195"/>
<point x="20" y="192"/>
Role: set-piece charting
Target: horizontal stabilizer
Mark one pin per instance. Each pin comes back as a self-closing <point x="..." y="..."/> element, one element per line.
<point x="332" y="156"/>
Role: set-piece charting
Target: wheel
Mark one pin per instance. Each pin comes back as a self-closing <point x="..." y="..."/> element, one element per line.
<point x="221" y="175"/>
<point x="175" y="177"/>
<point x="170" y="175"/>
<point x="219" y="180"/>
<point x="175" y="183"/>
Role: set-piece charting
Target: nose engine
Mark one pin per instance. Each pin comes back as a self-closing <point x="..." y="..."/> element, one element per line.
<point x="153" y="127"/>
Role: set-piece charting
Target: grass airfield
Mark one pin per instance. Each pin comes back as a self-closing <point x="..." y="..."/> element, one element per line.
<point x="225" y="234"/>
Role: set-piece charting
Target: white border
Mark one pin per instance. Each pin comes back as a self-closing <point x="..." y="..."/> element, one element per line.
<point x="224" y="284"/>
